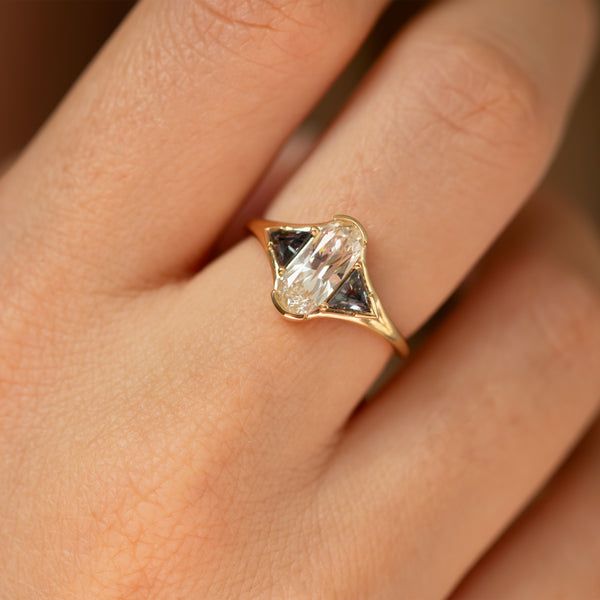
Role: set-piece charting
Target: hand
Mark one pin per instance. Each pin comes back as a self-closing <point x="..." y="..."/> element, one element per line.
<point x="165" y="434"/>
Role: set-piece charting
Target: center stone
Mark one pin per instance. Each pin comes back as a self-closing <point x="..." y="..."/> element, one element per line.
<point x="319" y="267"/>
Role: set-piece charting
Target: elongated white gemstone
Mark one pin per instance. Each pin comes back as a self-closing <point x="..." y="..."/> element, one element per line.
<point x="319" y="267"/>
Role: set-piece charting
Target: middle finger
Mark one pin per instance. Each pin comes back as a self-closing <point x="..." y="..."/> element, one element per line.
<point x="148" y="157"/>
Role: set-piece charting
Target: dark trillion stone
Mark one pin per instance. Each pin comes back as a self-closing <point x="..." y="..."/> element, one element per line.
<point x="287" y="243"/>
<point x="352" y="296"/>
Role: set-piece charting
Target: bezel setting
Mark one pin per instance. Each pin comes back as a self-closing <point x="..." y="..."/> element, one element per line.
<point x="368" y="309"/>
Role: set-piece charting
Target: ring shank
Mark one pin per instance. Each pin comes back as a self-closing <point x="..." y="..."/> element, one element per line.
<point x="396" y="339"/>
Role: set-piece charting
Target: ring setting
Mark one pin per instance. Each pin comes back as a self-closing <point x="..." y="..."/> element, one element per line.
<point x="319" y="270"/>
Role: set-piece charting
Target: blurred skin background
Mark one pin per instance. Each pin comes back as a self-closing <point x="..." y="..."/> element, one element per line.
<point x="44" y="46"/>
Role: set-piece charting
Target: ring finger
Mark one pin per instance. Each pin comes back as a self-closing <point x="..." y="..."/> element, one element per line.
<point x="441" y="145"/>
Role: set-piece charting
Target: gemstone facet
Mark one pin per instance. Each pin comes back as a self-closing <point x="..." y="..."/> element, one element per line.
<point x="319" y="267"/>
<point x="287" y="242"/>
<point x="352" y="296"/>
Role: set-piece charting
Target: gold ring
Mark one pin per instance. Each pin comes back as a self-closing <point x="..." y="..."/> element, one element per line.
<point x="319" y="270"/>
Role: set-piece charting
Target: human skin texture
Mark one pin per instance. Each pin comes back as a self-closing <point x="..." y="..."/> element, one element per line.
<point x="165" y="434"/>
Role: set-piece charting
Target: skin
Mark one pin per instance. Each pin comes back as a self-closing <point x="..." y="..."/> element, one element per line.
<point x="165" y="434"/>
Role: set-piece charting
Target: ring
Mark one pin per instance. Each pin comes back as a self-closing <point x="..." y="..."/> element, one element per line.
<point x="319" y="270"/>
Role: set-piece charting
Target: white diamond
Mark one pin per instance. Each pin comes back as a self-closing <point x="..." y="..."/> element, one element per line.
<point x="318" y="269"/>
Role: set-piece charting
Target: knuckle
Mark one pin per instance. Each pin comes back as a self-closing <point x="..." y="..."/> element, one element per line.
<point x="156" y="533"/>
<point x="477" y="90"/>
<point x="139" y="537"/>
<point x="253" y="13"/>
<point x="152" y="518"/>
<point x="258" y="32"/>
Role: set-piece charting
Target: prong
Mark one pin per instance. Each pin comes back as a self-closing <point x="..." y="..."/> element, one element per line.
<point x="291" y="317"/>
<point x="280" y="271"/>
<point x="352" y="220"/>
<point x="314" y="230"/>
<point x="323" y="307"/>
<point x="287" y="315"/>
<point x="357" y="266"/>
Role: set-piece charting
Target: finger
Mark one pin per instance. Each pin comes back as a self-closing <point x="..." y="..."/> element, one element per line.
<point x="421" y="158"/>
<point x="437" y="467"/>
<point x="150" y="154"/>
<point x="291" y="156"/>
<point x="553" y="551"/>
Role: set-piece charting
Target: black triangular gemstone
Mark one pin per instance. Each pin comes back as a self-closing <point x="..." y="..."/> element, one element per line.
<point x="287" y="243"/>
<point x="352" y="296"/>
